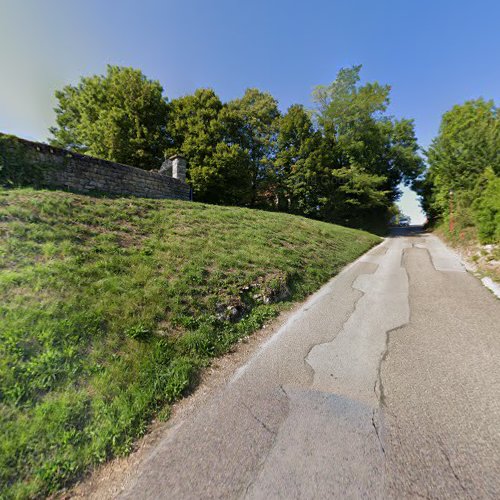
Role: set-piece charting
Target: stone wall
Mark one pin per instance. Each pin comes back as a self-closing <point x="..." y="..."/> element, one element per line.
<point x="64" y="169"/>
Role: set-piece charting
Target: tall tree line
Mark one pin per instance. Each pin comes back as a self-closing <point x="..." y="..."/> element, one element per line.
<point x="462" y="183"/>
<point x="341" y="161"/>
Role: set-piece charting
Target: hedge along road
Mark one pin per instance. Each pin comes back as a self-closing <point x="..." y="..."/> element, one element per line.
<point x="386" y="383"/>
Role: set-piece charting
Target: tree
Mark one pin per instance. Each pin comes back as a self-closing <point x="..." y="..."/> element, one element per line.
<point x="233" y="178"/>
<point x="464" y="170"/>
<point x="218" y="168"/>
<point x="120" y="116"/>
<point x="295" y="176"/>
<point x="195" y="131"/>
<point x="370" y="153"/>
<point x="467" y="144"/>
<point x="251" y="122"/>
<point x="487" y="208"/>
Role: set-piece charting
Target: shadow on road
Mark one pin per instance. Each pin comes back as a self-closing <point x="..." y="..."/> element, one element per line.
<point x="398" y="232"/>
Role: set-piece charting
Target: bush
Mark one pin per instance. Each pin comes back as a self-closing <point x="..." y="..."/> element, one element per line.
<point x="487" y="209"/>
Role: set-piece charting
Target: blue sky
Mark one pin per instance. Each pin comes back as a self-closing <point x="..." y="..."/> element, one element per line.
<point x="434" y="54"/>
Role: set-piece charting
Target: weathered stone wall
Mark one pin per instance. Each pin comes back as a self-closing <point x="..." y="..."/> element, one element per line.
<point x="76" y="172"/>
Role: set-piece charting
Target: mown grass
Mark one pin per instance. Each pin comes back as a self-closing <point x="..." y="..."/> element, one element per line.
<point x="109" y="308"/>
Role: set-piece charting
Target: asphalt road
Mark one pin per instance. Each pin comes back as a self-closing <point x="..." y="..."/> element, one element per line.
<point x="385" y="384"/>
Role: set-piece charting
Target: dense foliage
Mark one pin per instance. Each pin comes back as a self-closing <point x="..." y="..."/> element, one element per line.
<point x="201" y="129"/>
<point x="109" y="307"/>
<point x="120" y="117"/>
<point x="341" y="162"/>
<point x="464" y="170"/>
<point x="366" y="153"/>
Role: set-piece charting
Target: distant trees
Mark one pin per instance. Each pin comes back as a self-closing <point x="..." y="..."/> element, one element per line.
<point x="120" y="116"/>
<point x="464" y="169"/>
<point x="340" y="162"/>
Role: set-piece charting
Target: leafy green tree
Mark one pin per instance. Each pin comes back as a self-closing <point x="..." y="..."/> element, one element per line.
<point x="251" y="122"/>
<point x="294" y="175"/>
<point x="120" y="116"/>
<point x="369" y="152"/>
<point x="233" y="178"/>
<point x="424" y="187"/>
<point x="467" y="144"/>
<point x="195" y="131"/>
<point x="218" y="168"/>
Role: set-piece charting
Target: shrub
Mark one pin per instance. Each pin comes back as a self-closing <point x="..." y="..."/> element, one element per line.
<point x="487" y="209"/>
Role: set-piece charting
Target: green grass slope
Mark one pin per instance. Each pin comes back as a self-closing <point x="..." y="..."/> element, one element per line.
<point x="110" y="307"/>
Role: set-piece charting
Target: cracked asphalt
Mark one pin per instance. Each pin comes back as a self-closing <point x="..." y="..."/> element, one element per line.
<point x="385" y="384"/>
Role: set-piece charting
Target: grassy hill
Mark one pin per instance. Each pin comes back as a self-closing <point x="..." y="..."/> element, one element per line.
<point x="110" y="307"/>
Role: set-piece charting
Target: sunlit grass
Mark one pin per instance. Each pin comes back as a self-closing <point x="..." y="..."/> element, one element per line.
<point x="110" y="307"/>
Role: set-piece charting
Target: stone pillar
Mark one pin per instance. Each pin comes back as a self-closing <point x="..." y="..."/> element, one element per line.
<point x="179" y="165"/>
<point x="166" y="168"/>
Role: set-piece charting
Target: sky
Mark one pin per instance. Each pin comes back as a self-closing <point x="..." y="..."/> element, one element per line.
<point x="434" y="54"/>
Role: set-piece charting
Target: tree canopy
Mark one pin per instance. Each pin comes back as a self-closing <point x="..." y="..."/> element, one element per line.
<point x="120" y="116"/>
<point x="201" y="129"/>
<point x="341" y="161"/>
<point x="464" y="169"/>
<point x="296" y="174"/>
<point x="368" y="152"/>
<point x="252" y="124"/>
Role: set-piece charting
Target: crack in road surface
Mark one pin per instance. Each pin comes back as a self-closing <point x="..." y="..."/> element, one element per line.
<point x="452" y="469"/>
<point x="349" y="365"/>
<point x="375" y="414"/>
<point x="318" y="411"/>
<point x="354" y="355"/>
<point x="257" y="419"/>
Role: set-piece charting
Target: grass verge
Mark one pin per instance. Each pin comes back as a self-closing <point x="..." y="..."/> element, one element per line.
<point x="109" y="308"/>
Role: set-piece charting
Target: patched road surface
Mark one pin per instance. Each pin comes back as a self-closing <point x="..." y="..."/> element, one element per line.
<point x="385" y="384"/>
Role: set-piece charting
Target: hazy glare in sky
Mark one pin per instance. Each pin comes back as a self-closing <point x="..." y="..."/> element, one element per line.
<point x="434" y="54"/>
<point x="410" y="205"/>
